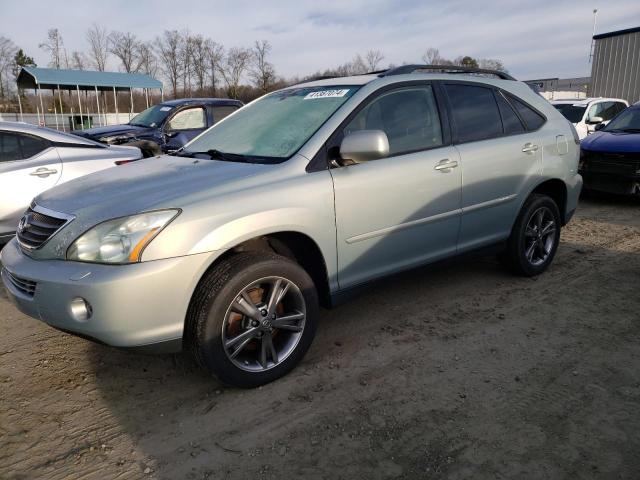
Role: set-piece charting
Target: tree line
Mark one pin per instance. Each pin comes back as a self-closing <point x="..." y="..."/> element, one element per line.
<point x="190" y="64"/>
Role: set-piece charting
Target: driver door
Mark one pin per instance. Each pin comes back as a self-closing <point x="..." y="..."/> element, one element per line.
<point x="184" y="126"/>
<point x="403" y="210"/>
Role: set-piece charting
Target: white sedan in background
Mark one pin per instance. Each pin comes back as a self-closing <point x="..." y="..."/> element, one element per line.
<point x="34" y="159"/>
<point x="586" y="113"/>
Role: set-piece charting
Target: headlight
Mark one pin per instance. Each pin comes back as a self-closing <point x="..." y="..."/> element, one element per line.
<point x="117" y="139"/>
<point x="120" y="240"/>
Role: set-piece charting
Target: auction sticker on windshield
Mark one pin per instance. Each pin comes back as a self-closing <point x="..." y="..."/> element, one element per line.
<point x="327" y="94"/>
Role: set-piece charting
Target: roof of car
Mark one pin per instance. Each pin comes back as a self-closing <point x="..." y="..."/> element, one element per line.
<point x="584" y="101"/>
<point x="370" y="77"/>
<point x="44" y="132"/>
<point x="205" y="101"/>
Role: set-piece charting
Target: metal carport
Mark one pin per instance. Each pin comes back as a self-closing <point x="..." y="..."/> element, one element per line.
<point x="85" y="80"/>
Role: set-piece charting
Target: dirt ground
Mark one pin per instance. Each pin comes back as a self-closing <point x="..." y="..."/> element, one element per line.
<point x="459" y="371"/>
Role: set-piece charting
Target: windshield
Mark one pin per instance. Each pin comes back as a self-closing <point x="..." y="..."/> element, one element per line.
<point x="151" y="117"/>
<point x="573" y="113"/>
<point x="627" y="121"/>
<point x="275" y="126"/>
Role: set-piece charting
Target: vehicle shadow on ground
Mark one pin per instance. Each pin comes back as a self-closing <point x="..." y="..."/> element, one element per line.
<point x="416" y="347"/>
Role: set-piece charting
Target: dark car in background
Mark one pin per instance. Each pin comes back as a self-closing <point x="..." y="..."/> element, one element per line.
<point x="610" y="158"/>
<point x="165" y="127"/>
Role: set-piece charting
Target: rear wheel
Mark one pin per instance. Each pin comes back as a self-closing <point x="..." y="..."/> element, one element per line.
<point x="252" y="318"/>
<point x="535" y="236"/>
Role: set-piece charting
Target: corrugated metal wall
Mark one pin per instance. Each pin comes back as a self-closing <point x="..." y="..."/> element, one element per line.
<point x="615" y="71"/>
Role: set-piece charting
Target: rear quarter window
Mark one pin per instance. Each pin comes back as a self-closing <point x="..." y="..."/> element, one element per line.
<point x="531" y="118"/>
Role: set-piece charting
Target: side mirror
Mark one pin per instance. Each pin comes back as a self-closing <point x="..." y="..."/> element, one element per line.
<point x="600" y="126"/>
<point x="171" y="133"/>
<point x="364" y="145"/>
<point x="595" y="120"/>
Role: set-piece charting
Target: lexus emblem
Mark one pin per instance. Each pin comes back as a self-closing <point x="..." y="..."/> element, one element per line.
<point x="24" y="223"/>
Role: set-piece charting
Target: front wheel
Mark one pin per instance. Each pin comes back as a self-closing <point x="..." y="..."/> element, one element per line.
<point x="252" y="318"/>
<point x="535" y="236"/>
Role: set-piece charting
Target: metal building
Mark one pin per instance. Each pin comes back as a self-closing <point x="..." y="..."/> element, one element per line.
<point x="615" y="71"/>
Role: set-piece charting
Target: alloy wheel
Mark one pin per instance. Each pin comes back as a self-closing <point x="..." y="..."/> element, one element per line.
<point x="540" y="236"/>
<point x="264" y="324"/>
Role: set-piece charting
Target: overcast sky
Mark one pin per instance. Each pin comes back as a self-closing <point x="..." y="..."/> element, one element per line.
<point x="534" y="39"/>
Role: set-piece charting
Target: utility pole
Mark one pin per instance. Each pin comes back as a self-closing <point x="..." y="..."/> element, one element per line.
<point x="592" y="44"/>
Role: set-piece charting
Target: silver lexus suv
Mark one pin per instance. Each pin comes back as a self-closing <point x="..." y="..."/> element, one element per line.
<point x="227" y="247"/>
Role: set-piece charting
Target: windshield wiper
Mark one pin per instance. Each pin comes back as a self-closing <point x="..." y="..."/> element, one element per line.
<point x="215" y="155"/>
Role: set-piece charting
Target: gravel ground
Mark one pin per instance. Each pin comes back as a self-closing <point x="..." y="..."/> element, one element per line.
<point x="459" y="371"/>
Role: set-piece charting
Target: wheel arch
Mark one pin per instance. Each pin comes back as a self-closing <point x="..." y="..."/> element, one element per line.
<point x="296" y="246"/>
<point x="554" y="188"/>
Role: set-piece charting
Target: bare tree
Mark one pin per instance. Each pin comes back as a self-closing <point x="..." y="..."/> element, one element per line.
<point x="7" y="54"/>
<point x="147" y="62"/>
<point x="98" y="39"/>
<point x="215" y="55"/>
<point x="373" y="59"/>
<point x="432" y="56"/>
<point x="234" y="65"/>
<point x="169" y="47"/>
<point x="199" y="60"/>
<point x="125" y="47"/>
<point x="55" y="47"/>
<point x="263" y="73"/>
<point x="186" y="53"/>
<point x="78" y="60"/>
<point x="357" y="66"/>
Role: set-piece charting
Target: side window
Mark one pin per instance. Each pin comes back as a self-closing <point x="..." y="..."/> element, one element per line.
<point x="190" y="119"/>
<point x="409" y="117"/>
<point x="620" y="107"/>
<point x="9" y="147"/>
<point x="475" y="112"/>
<point x="609" y="110"/>
<point x="532" y="119"/>
<point x="510" y="120"/>
<point x="595" y="110"/>
<point x="32" y="145"/>
<point x="219" y="112"/>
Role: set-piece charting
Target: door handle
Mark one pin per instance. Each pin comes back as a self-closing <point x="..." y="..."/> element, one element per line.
<point x="446" y="165"/>
<point x="43" y="172"/>
<point x="529" y="148"/>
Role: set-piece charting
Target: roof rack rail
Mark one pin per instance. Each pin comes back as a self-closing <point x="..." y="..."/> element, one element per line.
<point x="445" y="69"/>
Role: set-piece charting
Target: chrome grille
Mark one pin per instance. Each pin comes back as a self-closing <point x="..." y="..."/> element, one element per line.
<point x="36" y="228"/>
<point x="28" y="287"/>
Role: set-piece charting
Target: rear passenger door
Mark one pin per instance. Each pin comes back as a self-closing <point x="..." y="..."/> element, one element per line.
<point x="500" y="152"/>
<point x="403" y="210"/>
<point x="29" y="165"/>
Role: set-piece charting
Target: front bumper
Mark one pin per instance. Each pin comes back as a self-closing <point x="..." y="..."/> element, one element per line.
<point x="137" y="305"/>
<point x="611" y="172"/>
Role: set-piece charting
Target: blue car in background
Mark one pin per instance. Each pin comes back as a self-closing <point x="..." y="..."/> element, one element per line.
<point x="610" y="158"/>
<point x="165" y="127"/>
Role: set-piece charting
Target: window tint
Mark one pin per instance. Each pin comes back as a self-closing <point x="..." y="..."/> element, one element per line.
<point x="222" y="111"/>
<point x="620" y="107"/>
<point x="408" y="116"/>
<point x="32" y="145"/>
<point x="532" y="119"/>
<point x="510" y="120"/>
<point x="475" y="112"/>
<point x="16" y="146"/>
<point x="9" y="147"/>
<point x="190" y="119"/>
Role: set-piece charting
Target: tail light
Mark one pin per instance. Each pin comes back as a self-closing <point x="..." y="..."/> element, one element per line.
<point x="576" y="138"/>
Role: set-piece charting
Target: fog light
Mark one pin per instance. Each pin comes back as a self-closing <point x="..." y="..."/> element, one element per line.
<point x="80" y="309"/>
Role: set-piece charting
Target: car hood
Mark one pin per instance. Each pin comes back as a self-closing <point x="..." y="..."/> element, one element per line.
<point x="612" y="142"/>
<point x="148" y="184"/>
<point x="111" y="130"/>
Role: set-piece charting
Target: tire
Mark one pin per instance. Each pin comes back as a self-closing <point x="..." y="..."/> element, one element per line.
<point x="529" y="253"/>
<point x="220" y="312"/>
